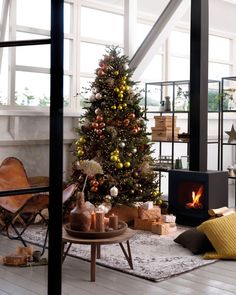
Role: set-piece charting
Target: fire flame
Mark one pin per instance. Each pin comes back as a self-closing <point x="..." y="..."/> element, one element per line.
<point x="196" y="203"/>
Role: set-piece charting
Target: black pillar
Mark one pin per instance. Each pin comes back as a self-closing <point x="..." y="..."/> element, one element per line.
<point x="56" y="149"/>
<point x="198" y="85"/>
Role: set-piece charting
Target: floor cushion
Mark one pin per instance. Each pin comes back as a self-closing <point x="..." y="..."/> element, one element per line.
<point x="195" y="241"/>
<point x="222" y="234"/>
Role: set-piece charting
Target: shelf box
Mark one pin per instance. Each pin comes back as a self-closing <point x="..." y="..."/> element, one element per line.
<point x="164" y="121"/>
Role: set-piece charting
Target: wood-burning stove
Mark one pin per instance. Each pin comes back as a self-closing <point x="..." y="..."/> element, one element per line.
<point x="193" y="193"/>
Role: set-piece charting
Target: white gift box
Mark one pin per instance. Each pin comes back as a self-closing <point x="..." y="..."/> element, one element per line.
<point x="147" y="205"/>
<point x="168" y="218"/>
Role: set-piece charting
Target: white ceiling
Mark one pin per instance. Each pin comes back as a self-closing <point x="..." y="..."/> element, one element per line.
<point x="222" y="13"/>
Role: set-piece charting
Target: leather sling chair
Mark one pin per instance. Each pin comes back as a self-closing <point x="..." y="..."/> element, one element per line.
<point x="14" y="208"/>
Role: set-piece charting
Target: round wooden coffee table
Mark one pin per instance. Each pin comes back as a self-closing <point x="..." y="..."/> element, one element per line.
<point x="95" y="247"/>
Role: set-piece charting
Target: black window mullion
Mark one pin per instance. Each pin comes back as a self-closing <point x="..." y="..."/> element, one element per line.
<point x="56" y="149"/>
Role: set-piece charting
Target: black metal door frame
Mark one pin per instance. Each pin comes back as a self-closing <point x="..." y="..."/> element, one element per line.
<point x="56" y="144"/>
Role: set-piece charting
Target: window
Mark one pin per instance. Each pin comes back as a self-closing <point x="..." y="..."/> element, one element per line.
<point x="101" y="25"/>
<point x="28" y="64"/>
<point x="220" y="60"/>
<point x="98" y="29"/>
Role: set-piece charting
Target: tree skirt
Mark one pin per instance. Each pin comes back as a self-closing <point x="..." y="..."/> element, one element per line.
<point x="154" y="257"/>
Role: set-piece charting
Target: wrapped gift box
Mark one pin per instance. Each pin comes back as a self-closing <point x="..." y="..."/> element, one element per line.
<point x="160" y="228"/>
<point x="154" y="213"/>
<point x="168" y="218"/>
<point x="143" y="224"/>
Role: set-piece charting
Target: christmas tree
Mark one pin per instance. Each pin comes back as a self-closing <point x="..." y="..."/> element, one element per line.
<point x="112" y="132"/>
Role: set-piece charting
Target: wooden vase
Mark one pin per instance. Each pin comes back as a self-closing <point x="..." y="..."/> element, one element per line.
<point x="80" y="216"/>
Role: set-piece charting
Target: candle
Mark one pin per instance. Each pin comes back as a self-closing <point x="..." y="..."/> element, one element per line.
<point x="106" y="221"/>
<point x="100" y="221"/>
<point x="93" y="220"/>
<point x="113" y="221"/>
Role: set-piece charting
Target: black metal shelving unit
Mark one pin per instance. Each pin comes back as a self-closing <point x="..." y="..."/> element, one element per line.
<point x="228" y="85"/>
<point x="155" y="93"/>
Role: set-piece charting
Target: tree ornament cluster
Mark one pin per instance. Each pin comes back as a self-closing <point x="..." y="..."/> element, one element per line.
<point x="112" y="132"/>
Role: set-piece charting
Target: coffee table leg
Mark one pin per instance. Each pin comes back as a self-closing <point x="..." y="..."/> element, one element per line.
<point x="98" y="251"/>
<point x="128" y="255"/>
<point x="64" y="253"/>
<point x="93" y="262"/>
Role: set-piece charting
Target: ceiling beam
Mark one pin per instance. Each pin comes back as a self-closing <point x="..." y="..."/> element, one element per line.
<point x="170" y="16"/>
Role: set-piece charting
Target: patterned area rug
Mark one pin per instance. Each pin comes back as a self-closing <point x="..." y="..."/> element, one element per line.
<point x="154" y="257"/>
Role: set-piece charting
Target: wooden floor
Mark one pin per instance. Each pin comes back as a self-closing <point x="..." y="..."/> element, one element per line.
<point x="217" y="278"/>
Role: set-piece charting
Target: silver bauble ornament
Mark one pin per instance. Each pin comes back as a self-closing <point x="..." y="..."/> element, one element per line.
<point x="122" y="144"/>
<point x="134" y="150"/>
<point x="98" y="96"/>
<point x="114" y="191"/>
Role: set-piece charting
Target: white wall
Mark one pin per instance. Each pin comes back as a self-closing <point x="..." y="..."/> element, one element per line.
<point x="25" y="135"/>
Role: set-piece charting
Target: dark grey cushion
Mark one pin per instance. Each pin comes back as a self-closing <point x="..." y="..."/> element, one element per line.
<point x="195" y="241"/>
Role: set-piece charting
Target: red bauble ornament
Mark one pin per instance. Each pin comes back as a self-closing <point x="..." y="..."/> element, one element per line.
<point x="94" y="189"/>
<point x="94" y="125"/>
<point x="94" y="182"/>
<point x="135" y="130"/>
<point x="100" y="72"/>
<point x="126" y="122"/>
<point x="131" y="116"/>
<point x="99" y="118"/>
<point x="98" y="131"/>
<point x="102" y="125"/>
<point x="101" y="63"/>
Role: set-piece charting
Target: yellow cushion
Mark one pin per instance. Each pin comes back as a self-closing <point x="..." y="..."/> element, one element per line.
<point x="222" y="234"/>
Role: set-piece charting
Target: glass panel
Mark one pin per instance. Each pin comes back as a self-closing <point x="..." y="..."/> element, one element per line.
<point x="31" y="92"/>
<point x="153" y="71"/>
<point x="34" y="14"/>
<point x="219" y="48"/>
<point x="217" y="70"/>
<point x="142" y="31"/>
<point x="67" y="17"/>
<point x="179" y="68"/>
<point x="180" y="43"/>
<point x="38" y="55"/>
<point x="66" y="90"/>
<point x="32" y="89"/>
<point x="89" y="56"/>
<point x="4" y="78"/>
<point x="34" y="56"/>
<point x="84" y="93"/>
<point x="101" y="25"/>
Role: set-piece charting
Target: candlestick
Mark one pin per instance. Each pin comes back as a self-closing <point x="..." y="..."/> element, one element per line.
<point x="93" y="220"/>
<point x="100" y="221"/>
<point x="113" y="221"/>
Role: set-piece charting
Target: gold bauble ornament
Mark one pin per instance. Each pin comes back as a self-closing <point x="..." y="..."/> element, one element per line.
<point x="159" y="202"/>
<point x="124" y="105"/>
<point x="121" y="95"/>
<point x="120" y="107"/>
<point x="116" y="73"/>
<point x="114" y="158"/>
<point x="155" y="193"/>
<point x="113" y="107"/>
<point x="80" y="153"/>
<point x="82" y="139"/>
<point x="119" y="165"/>
<point x="116" y="89"/>
<point x="127" y="164"/>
